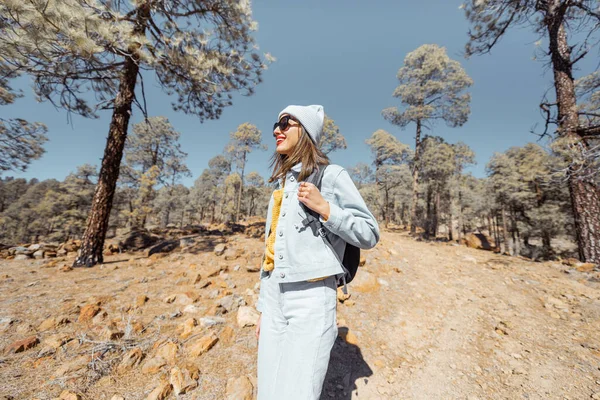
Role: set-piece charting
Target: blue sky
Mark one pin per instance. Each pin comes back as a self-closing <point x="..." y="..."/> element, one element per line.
<point x="345" y="56"/>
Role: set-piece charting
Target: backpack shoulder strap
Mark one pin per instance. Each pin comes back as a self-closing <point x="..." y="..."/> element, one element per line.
<point x="316" y="178"/>
<point x="312" y="217"/>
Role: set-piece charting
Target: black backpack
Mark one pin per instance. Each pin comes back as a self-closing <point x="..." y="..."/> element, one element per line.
<point x="351" y="254"/>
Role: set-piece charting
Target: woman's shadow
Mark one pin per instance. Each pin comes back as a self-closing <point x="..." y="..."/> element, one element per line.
<point x="346" y="367"/>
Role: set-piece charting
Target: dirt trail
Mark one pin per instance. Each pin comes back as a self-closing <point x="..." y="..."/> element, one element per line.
<point x="425" y="321"/>
<point x="466" y="324"/>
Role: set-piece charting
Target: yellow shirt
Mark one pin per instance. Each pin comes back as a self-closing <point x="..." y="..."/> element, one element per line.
<point x="269" y="263"/>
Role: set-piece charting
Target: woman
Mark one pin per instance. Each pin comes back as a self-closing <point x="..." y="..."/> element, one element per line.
<point x="301" y="271"/>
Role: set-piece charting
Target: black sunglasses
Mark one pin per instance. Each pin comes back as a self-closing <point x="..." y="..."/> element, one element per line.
<point x="283" y="123"/>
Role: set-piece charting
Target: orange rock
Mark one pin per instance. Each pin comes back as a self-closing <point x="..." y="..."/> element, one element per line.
<point x="56" y="341"/>
<point x="203" y="345"/>
<point x="213" y="271"/>
<point x="88" y="312"/>
<point x="153" y="365"/>
<point x="132" y="358"/>
<point x="238" y="389"/>
<point x="585" y="267"/>
<point x="477" y="241"/>
<point x="68" y="395"/>
<point x="161" y="392"/>
<point x="48" y="323"/>
<point x="341" y="296"/>
<point x="227" y="335"/>
<point x="187" y="328"/>
<point x="22" y="345"/>
<point x="213" y="310"/>
<point x="111" y="334"/>
<point x="182" y="381"/>
<point x="168" y="351"/>
<point x="141" y="300"/>
<point x="193" y="296"/>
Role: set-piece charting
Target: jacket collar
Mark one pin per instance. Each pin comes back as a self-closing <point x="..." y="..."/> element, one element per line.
<point x="294" y="170"/>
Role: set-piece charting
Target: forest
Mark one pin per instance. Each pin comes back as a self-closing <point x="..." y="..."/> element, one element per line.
<point x="541" y="200"/>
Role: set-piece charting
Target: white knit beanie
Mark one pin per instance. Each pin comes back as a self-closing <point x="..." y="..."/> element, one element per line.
<point x="311" y="118"/>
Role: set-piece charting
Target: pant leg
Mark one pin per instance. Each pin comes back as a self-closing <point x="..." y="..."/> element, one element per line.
<point x="310" y="311"/>
<point x="270" y="341"/>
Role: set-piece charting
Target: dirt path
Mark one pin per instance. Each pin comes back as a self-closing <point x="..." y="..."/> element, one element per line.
<point x="425" y="321"/>
<point x="466" y="324"/>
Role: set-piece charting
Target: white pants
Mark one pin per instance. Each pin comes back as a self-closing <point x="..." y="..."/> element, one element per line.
<point x="297" y="331"/>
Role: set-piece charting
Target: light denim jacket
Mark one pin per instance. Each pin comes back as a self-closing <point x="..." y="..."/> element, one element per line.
<point x="299" y="254"/>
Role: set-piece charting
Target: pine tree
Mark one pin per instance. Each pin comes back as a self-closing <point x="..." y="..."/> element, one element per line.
<point x="569" y="28"/>
<point x="331" y="139"/>
<point x="20" y="141"/>
<point x="390" y="158"/>
<point x="199" y="51"/>
<point x="246" y="138"/>
<point x="432" y="87"/>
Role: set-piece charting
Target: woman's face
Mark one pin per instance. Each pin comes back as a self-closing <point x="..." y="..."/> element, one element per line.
<point x="287" y="133"/>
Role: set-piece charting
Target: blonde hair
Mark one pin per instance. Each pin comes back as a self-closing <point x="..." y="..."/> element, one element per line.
<point x="305" y="151"/>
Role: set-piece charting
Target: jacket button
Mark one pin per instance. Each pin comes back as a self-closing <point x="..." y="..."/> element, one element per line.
<point x="292" y="179"/>
<point x="286" y="195"/>
<point x="281" y="256"/>
<point x="283" y="215"/>
<point x="282" y="275"/>
<point x="280" y="233"/>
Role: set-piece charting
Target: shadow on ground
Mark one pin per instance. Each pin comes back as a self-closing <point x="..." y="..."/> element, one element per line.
<point x="346" y="367"/>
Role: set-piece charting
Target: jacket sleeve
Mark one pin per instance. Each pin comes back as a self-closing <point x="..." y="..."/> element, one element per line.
<point x="349" y="217"/>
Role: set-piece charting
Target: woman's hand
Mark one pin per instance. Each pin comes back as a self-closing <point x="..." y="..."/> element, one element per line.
<point x="310" y="196"/>
<point x="257" y="332"/>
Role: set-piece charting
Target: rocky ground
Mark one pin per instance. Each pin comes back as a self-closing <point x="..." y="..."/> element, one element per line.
<point x="424" y="321"/>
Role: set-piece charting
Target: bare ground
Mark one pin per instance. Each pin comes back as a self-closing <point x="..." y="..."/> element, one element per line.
<point x="425" y="321"/>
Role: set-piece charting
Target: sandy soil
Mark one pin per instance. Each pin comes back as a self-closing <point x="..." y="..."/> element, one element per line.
<point x="424" y="321"/>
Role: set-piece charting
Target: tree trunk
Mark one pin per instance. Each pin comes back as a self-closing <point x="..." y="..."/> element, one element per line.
<point x="428" y="212"/>
<point x="515" y="234"/>
<point x="436" y="215"/>
<point x="166" y="217"/>
<point x="547" y="243"/>
<point x="386" y="206"/>
<point x="497" y="232"/>
<point x="585" y="194"/>
<point x="239" y="200"/>
<point x="507" y="245"/>
<point x="450" y="222"/>
<point x="415" y="186"/>
<point x="460" y="217"/>
<point x="92" y="243"/>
